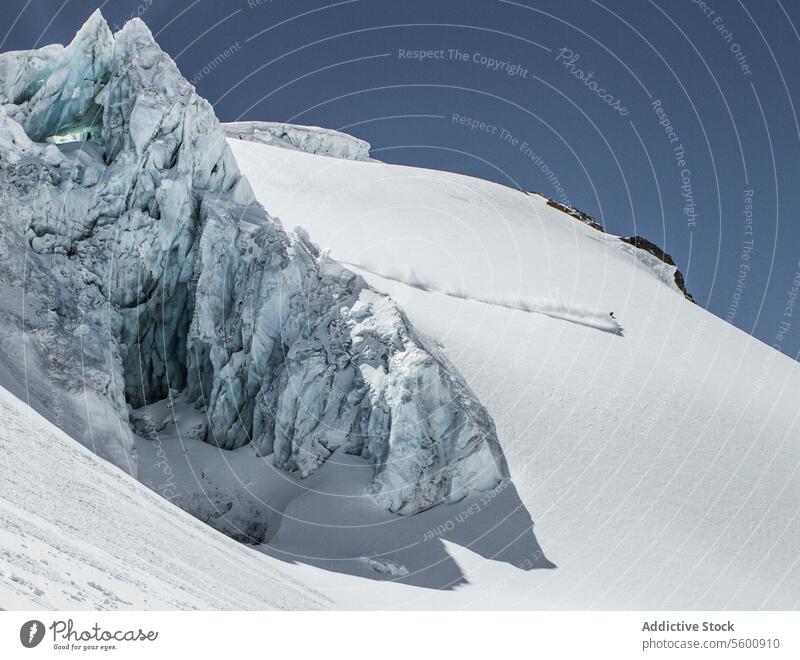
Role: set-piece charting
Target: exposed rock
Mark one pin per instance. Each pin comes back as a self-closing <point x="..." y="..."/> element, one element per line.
<point x="585" y="218"/>
<point x="650" y="247"/>
<point x="676" y="276"/>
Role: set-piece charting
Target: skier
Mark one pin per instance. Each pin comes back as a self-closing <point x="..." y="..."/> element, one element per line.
<point x="611" y="314"/>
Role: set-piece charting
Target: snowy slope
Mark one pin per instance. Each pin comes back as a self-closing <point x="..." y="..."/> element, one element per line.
<point x="156" y="313"/>
<point x="658" y="460"/>
<point x="78" y="533"/>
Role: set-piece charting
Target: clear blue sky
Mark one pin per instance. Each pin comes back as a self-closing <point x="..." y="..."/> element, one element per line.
<point x="725" y="72"/>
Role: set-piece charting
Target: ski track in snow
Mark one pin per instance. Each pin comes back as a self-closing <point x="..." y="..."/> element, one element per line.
<point x="636" y="459"/>
<point x="656" y="469"/>
<point x="552" y="308"/>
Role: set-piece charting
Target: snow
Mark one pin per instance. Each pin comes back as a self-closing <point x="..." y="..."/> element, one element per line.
<point x="79" y="533"/>
<point x="310" y="139"/>
<point x="288" y="379"/>
<point x="146" y="258"/>
<point x="660" y="465"/>
<point x="327" y="522"/>
<point x="547" y="307"/>
<point x="156" y="313"/>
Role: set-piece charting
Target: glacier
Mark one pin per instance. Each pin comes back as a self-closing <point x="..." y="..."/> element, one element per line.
<point x="661" y="462"/>
<point x="309" y="139"/>
<point x="137" y="262"/>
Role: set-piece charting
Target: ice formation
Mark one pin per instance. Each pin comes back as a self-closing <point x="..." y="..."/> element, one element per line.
<point x="310" y="139"/>
<point x="139" y="262"/>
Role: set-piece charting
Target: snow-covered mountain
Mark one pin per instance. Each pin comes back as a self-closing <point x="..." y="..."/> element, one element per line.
<point x="449" y="353"/>
<point x="660" y="460"/>
<point x="132" y="243"/>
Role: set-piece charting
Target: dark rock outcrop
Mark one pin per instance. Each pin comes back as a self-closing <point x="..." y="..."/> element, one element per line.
<point x="585" y="218"/>
<point x="648" y="246"/>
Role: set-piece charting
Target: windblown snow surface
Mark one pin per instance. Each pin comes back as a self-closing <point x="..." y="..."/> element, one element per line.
<point x="79" y="533"/>
<point x="658" y="457"/>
